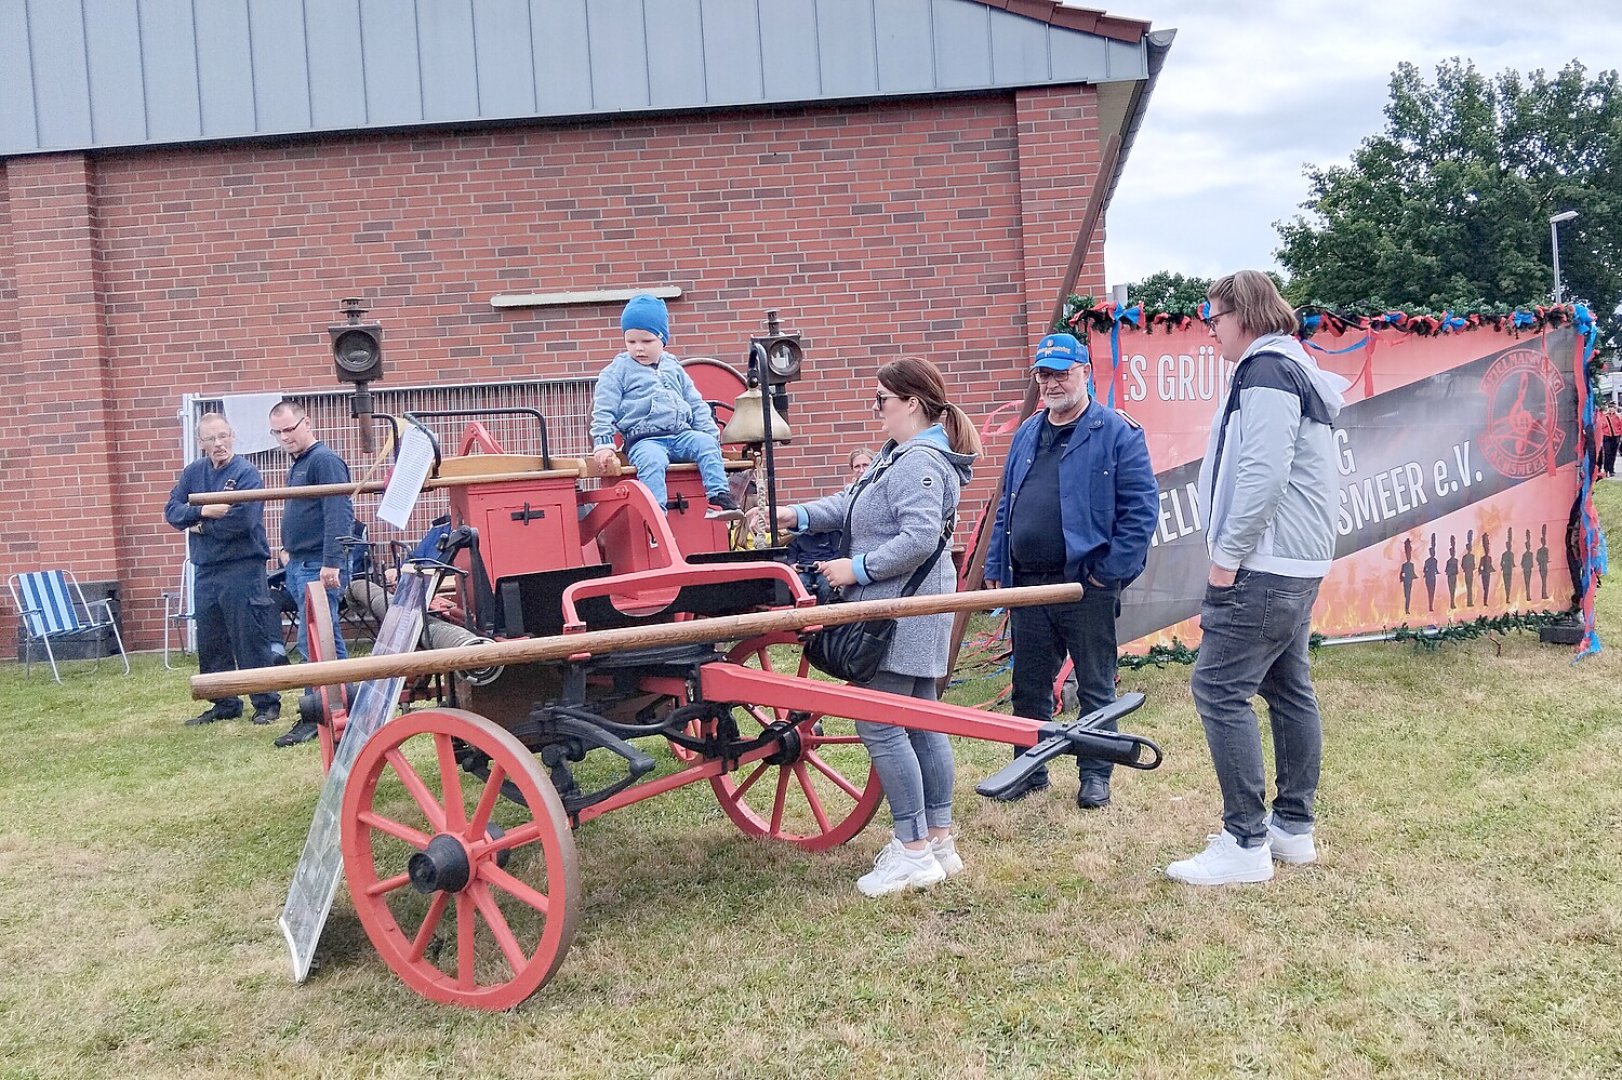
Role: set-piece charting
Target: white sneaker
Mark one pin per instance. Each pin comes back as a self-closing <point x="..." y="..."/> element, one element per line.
<point x="1297" y="849"/>
<point x="1224" y="862"/>
<point x="945" y="851"/>
<point x="896" y="869"/>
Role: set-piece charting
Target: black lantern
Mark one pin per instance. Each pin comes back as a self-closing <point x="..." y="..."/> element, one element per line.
<point x="357" y="347"/>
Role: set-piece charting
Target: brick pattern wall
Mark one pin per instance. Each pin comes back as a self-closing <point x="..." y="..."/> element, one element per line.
<point x="60" y="492"/>
<point x="937" y="227"/>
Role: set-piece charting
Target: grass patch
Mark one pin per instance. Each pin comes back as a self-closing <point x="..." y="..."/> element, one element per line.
<point x="1465" y="918"/>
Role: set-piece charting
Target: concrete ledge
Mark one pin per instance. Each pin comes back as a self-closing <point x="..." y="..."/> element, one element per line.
<point x="565" y="299"/>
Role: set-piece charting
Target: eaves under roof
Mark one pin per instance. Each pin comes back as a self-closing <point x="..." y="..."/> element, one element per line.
<point x="119" y="74"/>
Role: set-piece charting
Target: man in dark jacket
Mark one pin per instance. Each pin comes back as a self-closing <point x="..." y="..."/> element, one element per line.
<point x="313" y="531"/>
<point x="1086" y="467"/>
<point x="236" y="620"/>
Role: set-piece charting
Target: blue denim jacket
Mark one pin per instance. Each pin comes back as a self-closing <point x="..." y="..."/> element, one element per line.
<point x="1108" y="498"/>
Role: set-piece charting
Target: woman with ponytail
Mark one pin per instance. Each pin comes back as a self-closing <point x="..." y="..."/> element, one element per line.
<point x="899" y="519"/>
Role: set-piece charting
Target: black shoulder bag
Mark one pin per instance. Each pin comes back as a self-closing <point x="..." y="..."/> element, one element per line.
<point x="854" y="651"/>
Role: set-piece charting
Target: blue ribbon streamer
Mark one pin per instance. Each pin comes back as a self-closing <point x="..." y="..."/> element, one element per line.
<point x="1353" y="347"/>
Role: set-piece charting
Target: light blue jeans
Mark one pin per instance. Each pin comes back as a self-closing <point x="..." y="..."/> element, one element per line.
<point x="1256" y="633"/>
<point x="915" y="767"/>
<point x="300" y="572"/>
<point x="652" y="456"/>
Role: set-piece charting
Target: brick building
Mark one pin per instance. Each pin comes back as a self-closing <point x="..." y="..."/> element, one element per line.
<point x="186" y="191"/>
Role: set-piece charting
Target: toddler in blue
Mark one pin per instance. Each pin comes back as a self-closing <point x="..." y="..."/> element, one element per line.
<point x="644" y="395"/>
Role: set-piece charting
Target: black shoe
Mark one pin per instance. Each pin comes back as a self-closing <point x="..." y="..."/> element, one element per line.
<point x="723" y="505"/>
<point x="1094" y="793"/>
<point x="1036" y="781"/>
<point x="208" y="716"/>
<point x="262" y="717"/>
<point x="303" y="731"/>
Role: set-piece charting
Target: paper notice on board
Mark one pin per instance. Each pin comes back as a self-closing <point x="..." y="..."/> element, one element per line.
<point x="410" y="472"/>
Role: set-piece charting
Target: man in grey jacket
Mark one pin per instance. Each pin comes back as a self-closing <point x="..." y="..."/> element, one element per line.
<point x="1268" y="484"/>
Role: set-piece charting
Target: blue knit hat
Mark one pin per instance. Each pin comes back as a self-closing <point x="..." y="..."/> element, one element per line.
<point x="1058" y="352"/>
<point x="647" y="312"/>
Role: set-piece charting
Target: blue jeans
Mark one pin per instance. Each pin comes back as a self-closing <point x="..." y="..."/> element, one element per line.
<point x="300" y="572"/>
<point x="1255" y="641"/>
<point x="1043" y="635"/>
<point x="652" y="456"/>
<point x="914" y="767"/>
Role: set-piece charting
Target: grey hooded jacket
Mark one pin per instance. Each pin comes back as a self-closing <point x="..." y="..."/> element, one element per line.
<point x="1269" y="482"/>
<point x="895" y="527"/>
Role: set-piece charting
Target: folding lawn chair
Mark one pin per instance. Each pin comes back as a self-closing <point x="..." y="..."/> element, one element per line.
<point x="180" y="612"/>
<point x="52" y="608"/>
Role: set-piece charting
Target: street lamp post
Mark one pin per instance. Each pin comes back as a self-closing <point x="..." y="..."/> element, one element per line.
<point x="1554" y="246"/>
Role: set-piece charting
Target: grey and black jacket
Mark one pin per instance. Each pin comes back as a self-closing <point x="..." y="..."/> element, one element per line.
<point x="1269" y="483"/>
<point x="896" y="524"/>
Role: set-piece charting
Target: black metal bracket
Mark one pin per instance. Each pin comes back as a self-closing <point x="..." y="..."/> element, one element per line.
<point x="1082" y="739"/>
<point x="527" y="515"/>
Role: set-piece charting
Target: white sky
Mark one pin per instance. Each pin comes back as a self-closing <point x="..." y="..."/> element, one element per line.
<point x="1254" y="90"/>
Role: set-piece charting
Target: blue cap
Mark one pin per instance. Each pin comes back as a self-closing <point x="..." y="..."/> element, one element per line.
<point x="647" y="312"/>
<point x="1058" y="352"/>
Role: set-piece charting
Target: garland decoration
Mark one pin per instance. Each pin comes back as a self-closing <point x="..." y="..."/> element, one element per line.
<point x="1083" y="315"/>
<point x="1428" y="637"/>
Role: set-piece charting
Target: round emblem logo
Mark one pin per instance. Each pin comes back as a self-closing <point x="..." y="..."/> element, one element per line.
<point x="1523" y="436"/>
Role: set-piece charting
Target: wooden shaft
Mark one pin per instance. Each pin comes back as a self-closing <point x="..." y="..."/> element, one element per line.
<point x="317" y="491"/>
<point x="601" y="642"/>
<point x="372" y="487"/>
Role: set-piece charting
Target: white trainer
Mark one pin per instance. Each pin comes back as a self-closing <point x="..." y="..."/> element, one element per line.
<point x="945" y="849"/>
<point x="897" y="869"/>
<point x="1224" y="862"/>
<point x="1297" y="849"/>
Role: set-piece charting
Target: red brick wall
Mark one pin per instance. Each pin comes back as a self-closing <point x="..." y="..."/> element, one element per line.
<point x="940" y="227"/>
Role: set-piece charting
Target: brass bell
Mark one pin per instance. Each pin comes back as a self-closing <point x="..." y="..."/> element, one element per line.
<point x="748" y="424"/>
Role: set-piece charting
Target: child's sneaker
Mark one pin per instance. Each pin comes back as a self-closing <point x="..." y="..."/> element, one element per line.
<point x="722" y="506"/>
<point x="897" y="869"/>
<point x="945" y="850"/>
<point x="1297" y="849"/>
<point x="1224" y="862"/>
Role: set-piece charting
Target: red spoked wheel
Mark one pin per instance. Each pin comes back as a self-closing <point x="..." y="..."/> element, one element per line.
<point x="320" y="647"/>
<point x="822" y="794"/>
<point x="470" y="898"/>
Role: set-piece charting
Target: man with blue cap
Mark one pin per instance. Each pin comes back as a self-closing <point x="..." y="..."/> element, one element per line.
<point x="644" y="396"/>
<point x="1086" y="466"/>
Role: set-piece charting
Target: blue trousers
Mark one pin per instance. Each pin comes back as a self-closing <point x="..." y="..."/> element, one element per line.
<point x="1254" y="640"/>
<point x="236" y="626"/>
<point x="300" y="572"/>
<point x="915" y="767"/>
<point x="652" y="456"/>
<point x="1043" y="635"/>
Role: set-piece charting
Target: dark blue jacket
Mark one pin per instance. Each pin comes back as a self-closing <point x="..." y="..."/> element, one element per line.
<point x="315" y="528"/>
<point x="240" y="534"/>
<point x="1108" y="498"/>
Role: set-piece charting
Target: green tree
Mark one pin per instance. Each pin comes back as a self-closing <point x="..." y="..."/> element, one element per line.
<point x="1164" y="290"/>
<point x="1449" y="205"/>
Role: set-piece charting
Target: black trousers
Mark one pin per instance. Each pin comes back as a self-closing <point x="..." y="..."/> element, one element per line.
<point x="1043" y="636"/>
<point x="1607" y="455"/>
<point x="238" y="626"/>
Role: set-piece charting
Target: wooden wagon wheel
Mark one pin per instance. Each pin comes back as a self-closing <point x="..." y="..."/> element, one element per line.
<point x="319" y="647"/>
<point x="470" y="898"/>
<point x="823" y="795"/>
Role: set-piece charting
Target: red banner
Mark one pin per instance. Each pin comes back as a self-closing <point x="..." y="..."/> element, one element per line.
<point x="1458" y="473"/>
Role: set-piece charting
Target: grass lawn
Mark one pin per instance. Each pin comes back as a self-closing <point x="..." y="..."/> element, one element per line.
<point x="1465" y="918"/>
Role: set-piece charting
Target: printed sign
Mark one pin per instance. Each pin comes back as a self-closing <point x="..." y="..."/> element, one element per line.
<point x="315" y="881"/>
<point x="1457" y="463"/>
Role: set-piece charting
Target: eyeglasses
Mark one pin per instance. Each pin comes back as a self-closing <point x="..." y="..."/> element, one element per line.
<point x="1050" y="375"/>
<point x="1210" y="321"/>
<point x="210" y="440"/>
<point x="280" y="431"/>
<point x="880" y="398"/>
